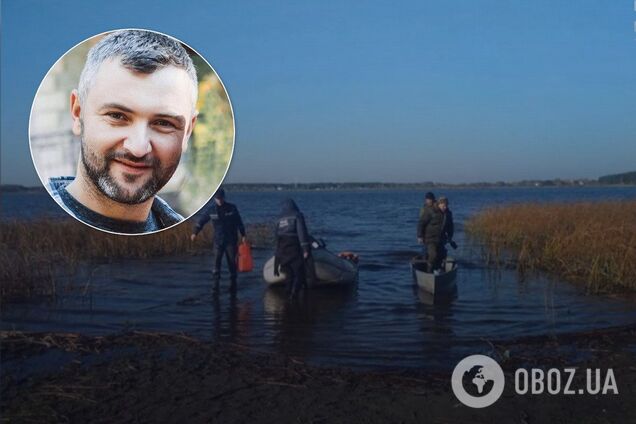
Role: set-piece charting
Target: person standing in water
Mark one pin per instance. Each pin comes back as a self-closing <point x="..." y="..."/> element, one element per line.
<point x="429" y="231"/>
<point x="227" y="224"/>
<point x="292" y="246"/>
<point x="448" y="228"/>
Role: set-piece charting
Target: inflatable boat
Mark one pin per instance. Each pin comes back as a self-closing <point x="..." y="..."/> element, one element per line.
<point x="331" y="269"/>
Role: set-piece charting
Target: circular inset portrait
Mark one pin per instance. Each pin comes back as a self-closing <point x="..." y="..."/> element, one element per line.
<point x="131" y="131"/>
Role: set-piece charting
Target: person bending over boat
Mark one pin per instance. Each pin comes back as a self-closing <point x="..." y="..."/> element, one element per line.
<point x="292" y="246"/>
<point x="429" y="231"/>
<point x="227" y="223"/>
<point x="448" y="228"/>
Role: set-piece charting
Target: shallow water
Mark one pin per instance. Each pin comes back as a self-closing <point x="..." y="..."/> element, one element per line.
<point x="382" y="322"/>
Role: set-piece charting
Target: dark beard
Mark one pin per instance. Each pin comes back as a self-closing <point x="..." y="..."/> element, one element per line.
<point x="98" y="171"/>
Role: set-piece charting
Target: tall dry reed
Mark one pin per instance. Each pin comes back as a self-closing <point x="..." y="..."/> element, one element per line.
<point x="593" y="243"/>
<point x="33" y="254"/>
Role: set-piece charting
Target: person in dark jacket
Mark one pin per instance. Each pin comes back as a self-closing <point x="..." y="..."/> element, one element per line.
<point x="429" y="231"/>
<point x="227" y="224"/>
<point x="448" y="228"/>
<point x="292" y="246"/>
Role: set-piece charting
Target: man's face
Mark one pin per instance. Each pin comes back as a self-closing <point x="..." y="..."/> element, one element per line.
<point x="134" y="127"/>
<point x="429" y="202"/>
<point x="219" y="200"/>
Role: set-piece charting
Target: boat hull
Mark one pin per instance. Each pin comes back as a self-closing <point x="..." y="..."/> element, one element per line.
<point x="444" y="283"/>
<point x="331" y="270"/>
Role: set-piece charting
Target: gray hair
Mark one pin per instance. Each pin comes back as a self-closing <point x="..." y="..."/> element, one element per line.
<point x="140" y="51"/>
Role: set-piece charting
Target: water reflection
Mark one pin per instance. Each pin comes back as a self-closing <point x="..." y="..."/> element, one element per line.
<point x="292" y="323"/>
<point x="381" y="322"/>
<point x="231" y="317"/>
<point x="436" y="324"/>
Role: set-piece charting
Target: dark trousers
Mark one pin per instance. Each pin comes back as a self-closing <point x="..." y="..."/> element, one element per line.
<point x="229" y="250"/>
<point x="310" y="271"/>
<point x="295" y="272"/>
<point x="443" y="253"/>
<point x="433" y="256"/>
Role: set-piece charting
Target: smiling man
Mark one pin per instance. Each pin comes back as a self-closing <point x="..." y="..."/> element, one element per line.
<point x="134" y="111"/>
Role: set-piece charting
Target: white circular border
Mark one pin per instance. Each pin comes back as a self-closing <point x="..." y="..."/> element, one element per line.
<point x="493" y="369"/>
<point x="227" y="94"/>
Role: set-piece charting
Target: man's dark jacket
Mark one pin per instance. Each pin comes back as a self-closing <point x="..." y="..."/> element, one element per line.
<point x="429" y="227"/>
<point x="226" y="221"/>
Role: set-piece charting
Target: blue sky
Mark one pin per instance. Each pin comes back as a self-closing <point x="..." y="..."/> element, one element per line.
<point x="453" y="91"/>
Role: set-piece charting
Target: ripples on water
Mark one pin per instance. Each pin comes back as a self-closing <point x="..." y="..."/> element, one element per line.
<point x="383" y="322"/>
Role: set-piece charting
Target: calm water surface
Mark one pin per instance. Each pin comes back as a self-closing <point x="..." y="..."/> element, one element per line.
<point x="383" y="322"/>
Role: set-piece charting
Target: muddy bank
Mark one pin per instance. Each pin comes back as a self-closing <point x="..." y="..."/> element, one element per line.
<point x="152" y="377"/>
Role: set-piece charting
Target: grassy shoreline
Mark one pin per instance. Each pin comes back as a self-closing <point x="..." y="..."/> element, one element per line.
<point x="593" y="243"/>
<point x="36" y="256"/>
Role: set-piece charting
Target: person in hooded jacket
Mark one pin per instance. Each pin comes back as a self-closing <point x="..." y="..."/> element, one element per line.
<point x="292" y="246"/>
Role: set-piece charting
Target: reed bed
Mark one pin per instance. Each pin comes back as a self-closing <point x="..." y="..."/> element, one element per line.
<point x="36" y="255"/>
<point x="592" y="243"/>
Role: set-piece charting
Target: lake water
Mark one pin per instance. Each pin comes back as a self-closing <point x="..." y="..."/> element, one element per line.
<point x="382" y="322"/>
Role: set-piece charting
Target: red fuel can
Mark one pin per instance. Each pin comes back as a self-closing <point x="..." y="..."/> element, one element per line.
<point x="245" y="262"/>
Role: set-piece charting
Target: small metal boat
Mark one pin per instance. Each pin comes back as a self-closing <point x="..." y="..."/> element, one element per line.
<point x="441" y="283"/>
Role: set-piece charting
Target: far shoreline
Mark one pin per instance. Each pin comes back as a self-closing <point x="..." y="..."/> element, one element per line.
<point x="348" y="187"/>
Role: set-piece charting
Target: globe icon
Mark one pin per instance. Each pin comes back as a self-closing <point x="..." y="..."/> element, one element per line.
<point x="477" y="381"/>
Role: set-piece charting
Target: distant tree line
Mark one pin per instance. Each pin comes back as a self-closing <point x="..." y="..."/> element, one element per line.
<point x="624" y="178"/>
<point x="426" y="185"/>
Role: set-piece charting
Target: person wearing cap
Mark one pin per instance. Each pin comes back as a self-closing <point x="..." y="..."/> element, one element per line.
<point x="429" y="202"/>
<point x="429" y="231"/>
<point x="227" y="224"/>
